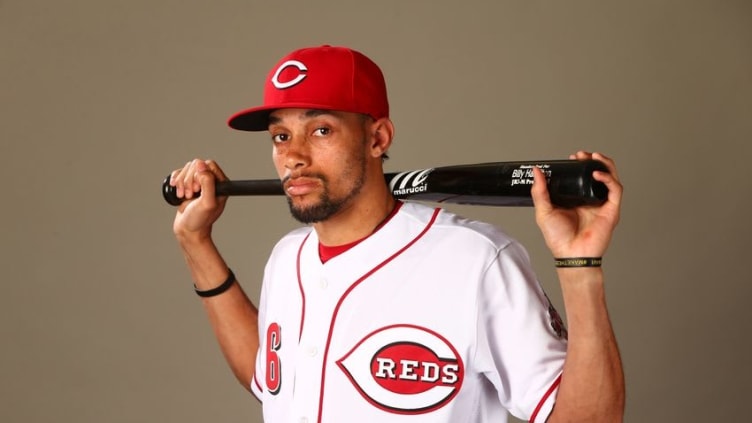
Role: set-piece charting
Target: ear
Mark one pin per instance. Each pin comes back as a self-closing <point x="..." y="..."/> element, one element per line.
<point x="382" y="134"/>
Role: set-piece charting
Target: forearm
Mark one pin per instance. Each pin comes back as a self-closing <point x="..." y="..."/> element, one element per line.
<point x="233" y="317"/>
<point x="592" y="383"/>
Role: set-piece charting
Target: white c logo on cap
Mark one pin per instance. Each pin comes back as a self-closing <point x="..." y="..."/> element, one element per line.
<point x="282" y="85"/>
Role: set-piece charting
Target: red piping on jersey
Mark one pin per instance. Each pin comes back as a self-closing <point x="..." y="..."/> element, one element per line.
<point x="545" y="397"/>
<point x="327" y="253"/>
<point x="339" y="250"/>
<point x="300" y="286"/>
<point x="258" y="386"/>
<point x="347" y="292"/>
<point x="255" y="380"/>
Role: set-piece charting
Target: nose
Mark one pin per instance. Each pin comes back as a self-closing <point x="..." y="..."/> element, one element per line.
<point x="297" y="154"/>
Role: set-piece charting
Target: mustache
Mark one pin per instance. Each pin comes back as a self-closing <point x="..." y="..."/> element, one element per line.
<point x="312" y="175"/>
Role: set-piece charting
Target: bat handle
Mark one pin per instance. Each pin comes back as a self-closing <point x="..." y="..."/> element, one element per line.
<point x="227" y="188"/>
<point x="170" y="193"/>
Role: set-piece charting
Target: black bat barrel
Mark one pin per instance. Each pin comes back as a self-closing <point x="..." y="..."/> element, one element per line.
<point x="570" y="183"/>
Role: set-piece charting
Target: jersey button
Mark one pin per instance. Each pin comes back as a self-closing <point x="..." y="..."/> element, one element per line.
<point x="323" y="283"/>
<point x="312" y="351"/>
<point x="303" y="420"/>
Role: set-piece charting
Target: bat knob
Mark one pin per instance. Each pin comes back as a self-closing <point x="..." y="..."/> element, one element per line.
<point x="170" y="193"/>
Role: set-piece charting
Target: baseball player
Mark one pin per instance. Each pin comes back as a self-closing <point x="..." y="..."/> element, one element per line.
<point x="380" y="310"/>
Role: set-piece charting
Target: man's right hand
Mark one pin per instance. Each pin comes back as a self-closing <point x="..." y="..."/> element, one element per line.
<point x="233" y="317"/>
<point x="195" y="216"/>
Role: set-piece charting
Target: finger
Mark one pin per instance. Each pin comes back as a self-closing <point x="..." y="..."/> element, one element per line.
<point x="216" y="170"/>
<point x="200" y="172"/>
<point x="610" y="165"/>
<point x="173" y="178"/>
<point x="613" y="185"/>
<point x="173" y="175"/>
<point x="539" y="192"/>
<point x="219" y="175"/>
<point x="184" y="180"/>
<point x="611" y="209"/>
<point x="179" y="180"/>
<point x="190" y="184"/>
<point x="206" y="180"/>
<point x="581" y="155"/>
<point x="199" y="166"/>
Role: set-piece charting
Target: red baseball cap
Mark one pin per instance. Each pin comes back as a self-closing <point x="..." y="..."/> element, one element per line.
<point x="325" y="78"/>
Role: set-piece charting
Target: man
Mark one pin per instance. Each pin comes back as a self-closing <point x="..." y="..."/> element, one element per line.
<point x="380" y="310"/>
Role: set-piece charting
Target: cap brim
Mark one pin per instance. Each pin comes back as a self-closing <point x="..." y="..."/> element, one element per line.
<point x="257" y="118"/>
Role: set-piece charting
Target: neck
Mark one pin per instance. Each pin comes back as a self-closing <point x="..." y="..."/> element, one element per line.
<point x="358" y="219"/>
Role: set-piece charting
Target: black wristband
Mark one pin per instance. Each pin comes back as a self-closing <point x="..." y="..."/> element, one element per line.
<point x="229" y="282"/>
<point x="578" y="262"/>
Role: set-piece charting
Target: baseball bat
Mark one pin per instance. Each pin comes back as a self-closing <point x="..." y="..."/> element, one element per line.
<point x="570" y="184"/>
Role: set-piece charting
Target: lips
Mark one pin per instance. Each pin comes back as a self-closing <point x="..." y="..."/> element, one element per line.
<point x="300" y="186"/>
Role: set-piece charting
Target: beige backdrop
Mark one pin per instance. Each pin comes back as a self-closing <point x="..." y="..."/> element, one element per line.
<point x="99" y="100"/>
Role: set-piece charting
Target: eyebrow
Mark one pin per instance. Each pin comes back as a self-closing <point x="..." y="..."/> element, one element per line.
<point x="308" y="113"/>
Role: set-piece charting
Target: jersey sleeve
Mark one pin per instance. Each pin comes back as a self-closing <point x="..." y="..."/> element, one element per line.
<point x="521" y="341"/>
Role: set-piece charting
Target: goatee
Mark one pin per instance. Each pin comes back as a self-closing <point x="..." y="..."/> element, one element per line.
<point x="326" y="206"/>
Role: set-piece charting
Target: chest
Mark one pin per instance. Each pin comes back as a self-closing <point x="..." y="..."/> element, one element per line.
<point x="391" y="336"/>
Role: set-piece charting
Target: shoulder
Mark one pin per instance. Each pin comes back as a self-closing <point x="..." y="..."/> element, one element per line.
<point x="484" y="252"/>
<point x="456" y="228"/>
<point x="292" y="240"/>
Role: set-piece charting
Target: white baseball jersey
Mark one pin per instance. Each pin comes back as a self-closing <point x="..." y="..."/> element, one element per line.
<point x="432" y="318"/>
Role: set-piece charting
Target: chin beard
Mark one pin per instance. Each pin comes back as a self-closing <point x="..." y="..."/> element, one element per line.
<point x="326" y="206"/>
<point x="317" y="212"/>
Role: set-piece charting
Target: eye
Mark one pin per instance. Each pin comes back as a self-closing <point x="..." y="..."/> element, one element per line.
<point x="323" y="131"/>
<point x="278" y="138"/>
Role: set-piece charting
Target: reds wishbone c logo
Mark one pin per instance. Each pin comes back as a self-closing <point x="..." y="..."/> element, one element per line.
<point x="302" y="69"/>
<point x="404" y="369"/>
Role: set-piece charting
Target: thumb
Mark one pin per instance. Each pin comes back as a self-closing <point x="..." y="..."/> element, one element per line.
<point x="539" y="193"/>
